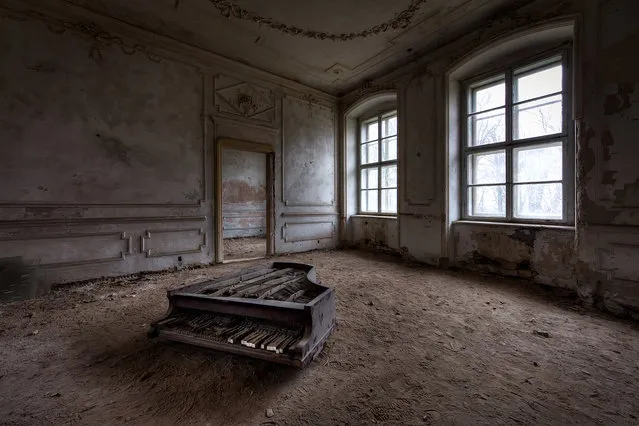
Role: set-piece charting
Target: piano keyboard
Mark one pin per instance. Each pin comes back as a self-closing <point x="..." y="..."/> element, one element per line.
<point x="235" y="330"/>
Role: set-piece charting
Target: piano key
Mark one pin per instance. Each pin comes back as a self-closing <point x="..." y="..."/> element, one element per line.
<point x="285" y="344"/>
<point x="248" y="339"/>
<point x="266" y="335"/>
<point x="296" y="339"/>
<point x="232" y="330"/>
<point x="274" y="336"/>
<point x="272" y="346"/>
<point x="238" y="336"/>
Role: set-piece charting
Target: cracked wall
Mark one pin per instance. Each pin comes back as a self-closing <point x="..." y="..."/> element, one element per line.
<point x="596" y="256"/>
<point x="107" y="140"/>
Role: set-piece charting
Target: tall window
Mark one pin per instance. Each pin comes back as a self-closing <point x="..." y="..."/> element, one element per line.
<point x="378" y="164"/>
<point x="516" y="149"/>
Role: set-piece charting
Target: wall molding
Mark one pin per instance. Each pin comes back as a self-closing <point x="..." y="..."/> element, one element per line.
<point x="304" y="214"/>
<point x="244" y="101"/>
<point x="312" y="104"/>
<point x="216" y="119"/>
<point x="71" y="204"/>
<point x="97" y="221"/>
<point x="428" y="157"/>
<point x="124" y="236"/>
<point x="151" y="253"/>
<point x="288" y="225"/>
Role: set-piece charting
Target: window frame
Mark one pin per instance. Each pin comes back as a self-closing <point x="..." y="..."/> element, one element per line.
<point x="566" y="136"/>
<point x="378" y="115"/>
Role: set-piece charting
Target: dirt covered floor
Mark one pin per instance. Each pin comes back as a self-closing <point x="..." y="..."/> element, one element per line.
<point x="413" y="345"/>
<point x="244" y="248"/>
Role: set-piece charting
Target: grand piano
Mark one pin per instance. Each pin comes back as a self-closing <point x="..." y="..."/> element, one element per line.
<point x="278" y="313"/>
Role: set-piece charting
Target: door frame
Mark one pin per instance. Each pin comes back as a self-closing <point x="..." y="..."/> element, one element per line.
<point x="242" y="145"/>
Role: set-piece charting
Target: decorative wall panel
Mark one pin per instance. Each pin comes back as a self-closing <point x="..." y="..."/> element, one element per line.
<point x="419" y="141"/>
<point x="308" y="153"/>
<point x="69" y="249"/>
<point x="244" y="100"/>
<point x="307" y="231"/>
<point x="172" y="242"/>
<point x="78" y="131"/>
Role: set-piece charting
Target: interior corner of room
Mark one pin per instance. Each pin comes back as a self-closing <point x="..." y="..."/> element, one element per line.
<point x="491" y="137"/>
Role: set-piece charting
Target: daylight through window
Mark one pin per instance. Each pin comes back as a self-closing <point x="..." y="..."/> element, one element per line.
<point x="516" y="146"/>
<point x="378" y="164"/>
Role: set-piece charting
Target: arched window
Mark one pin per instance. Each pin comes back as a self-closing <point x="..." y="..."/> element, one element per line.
<point x="511" y="139"/>
<point x="371" y="152"/>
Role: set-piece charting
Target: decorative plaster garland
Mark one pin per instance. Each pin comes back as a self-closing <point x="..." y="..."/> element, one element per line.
<point x="401" y="20"/>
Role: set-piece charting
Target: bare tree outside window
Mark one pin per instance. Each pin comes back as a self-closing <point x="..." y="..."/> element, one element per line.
<point x="515" y="142"/>
<point x="378" y="164"/>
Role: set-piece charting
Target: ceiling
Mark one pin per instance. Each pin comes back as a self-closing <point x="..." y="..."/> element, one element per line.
<point x="303" y="39"/>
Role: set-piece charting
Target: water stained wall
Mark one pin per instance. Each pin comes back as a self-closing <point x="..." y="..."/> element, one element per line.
<point x="243" y="194"/>
<point x="107" y="141"/>
<point x="596" y="255"/>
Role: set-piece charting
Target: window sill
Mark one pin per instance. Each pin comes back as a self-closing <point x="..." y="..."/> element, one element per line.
<point x="374" y="216"/>
<point x="515" y="225"/>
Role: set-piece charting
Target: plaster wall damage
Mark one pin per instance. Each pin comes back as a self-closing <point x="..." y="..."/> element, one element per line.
<point x="597" y="255"/>
<point x="107" y="144"/>
<point x="108" y="136"/>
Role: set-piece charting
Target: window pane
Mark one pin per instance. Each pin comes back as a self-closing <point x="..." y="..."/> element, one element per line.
<point x="389" y="201"/>
<point x="369" y="178"/>
<point x="370" y="131"/>
<point x="538" y="163"/>
<point x="538" y="83"/>
<point x="488" y="97"/>
<point x="538" y="118"/>
<point x="541" y="201"/>
<point x="489" y="167"/>
<point x="486" y="128"/>
<point x="389" y="126"/>
<point x="369" y="201"/>
<point x="389" y="176"/>
<point x="370" y="153"/>
<point x="389" y="149"/>
<point x="488" y="201"/>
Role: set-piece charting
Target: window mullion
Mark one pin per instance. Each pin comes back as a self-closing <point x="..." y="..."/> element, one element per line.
<point x="510" y="93"/>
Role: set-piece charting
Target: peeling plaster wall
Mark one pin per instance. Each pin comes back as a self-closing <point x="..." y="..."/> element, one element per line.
<point x="377" y="233"/>
<point x="540" y="253"/>
<point x="107" y="142"/>
<point x="598" y="256"/>
<point x="243" y="194"/>
<point x="608" y="221"/>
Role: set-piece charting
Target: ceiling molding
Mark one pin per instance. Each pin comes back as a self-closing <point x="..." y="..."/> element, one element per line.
<point x="400" y="21"/>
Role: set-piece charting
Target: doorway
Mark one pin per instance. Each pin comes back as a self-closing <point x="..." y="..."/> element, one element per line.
<point x="243" y="200"/>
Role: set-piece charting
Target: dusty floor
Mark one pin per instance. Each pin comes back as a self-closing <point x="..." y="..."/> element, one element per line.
<point x="413" y="345"/>
<point x="244" y="248"/>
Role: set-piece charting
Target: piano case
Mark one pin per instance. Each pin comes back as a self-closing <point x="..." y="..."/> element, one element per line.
<point x="278" y="313"/>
